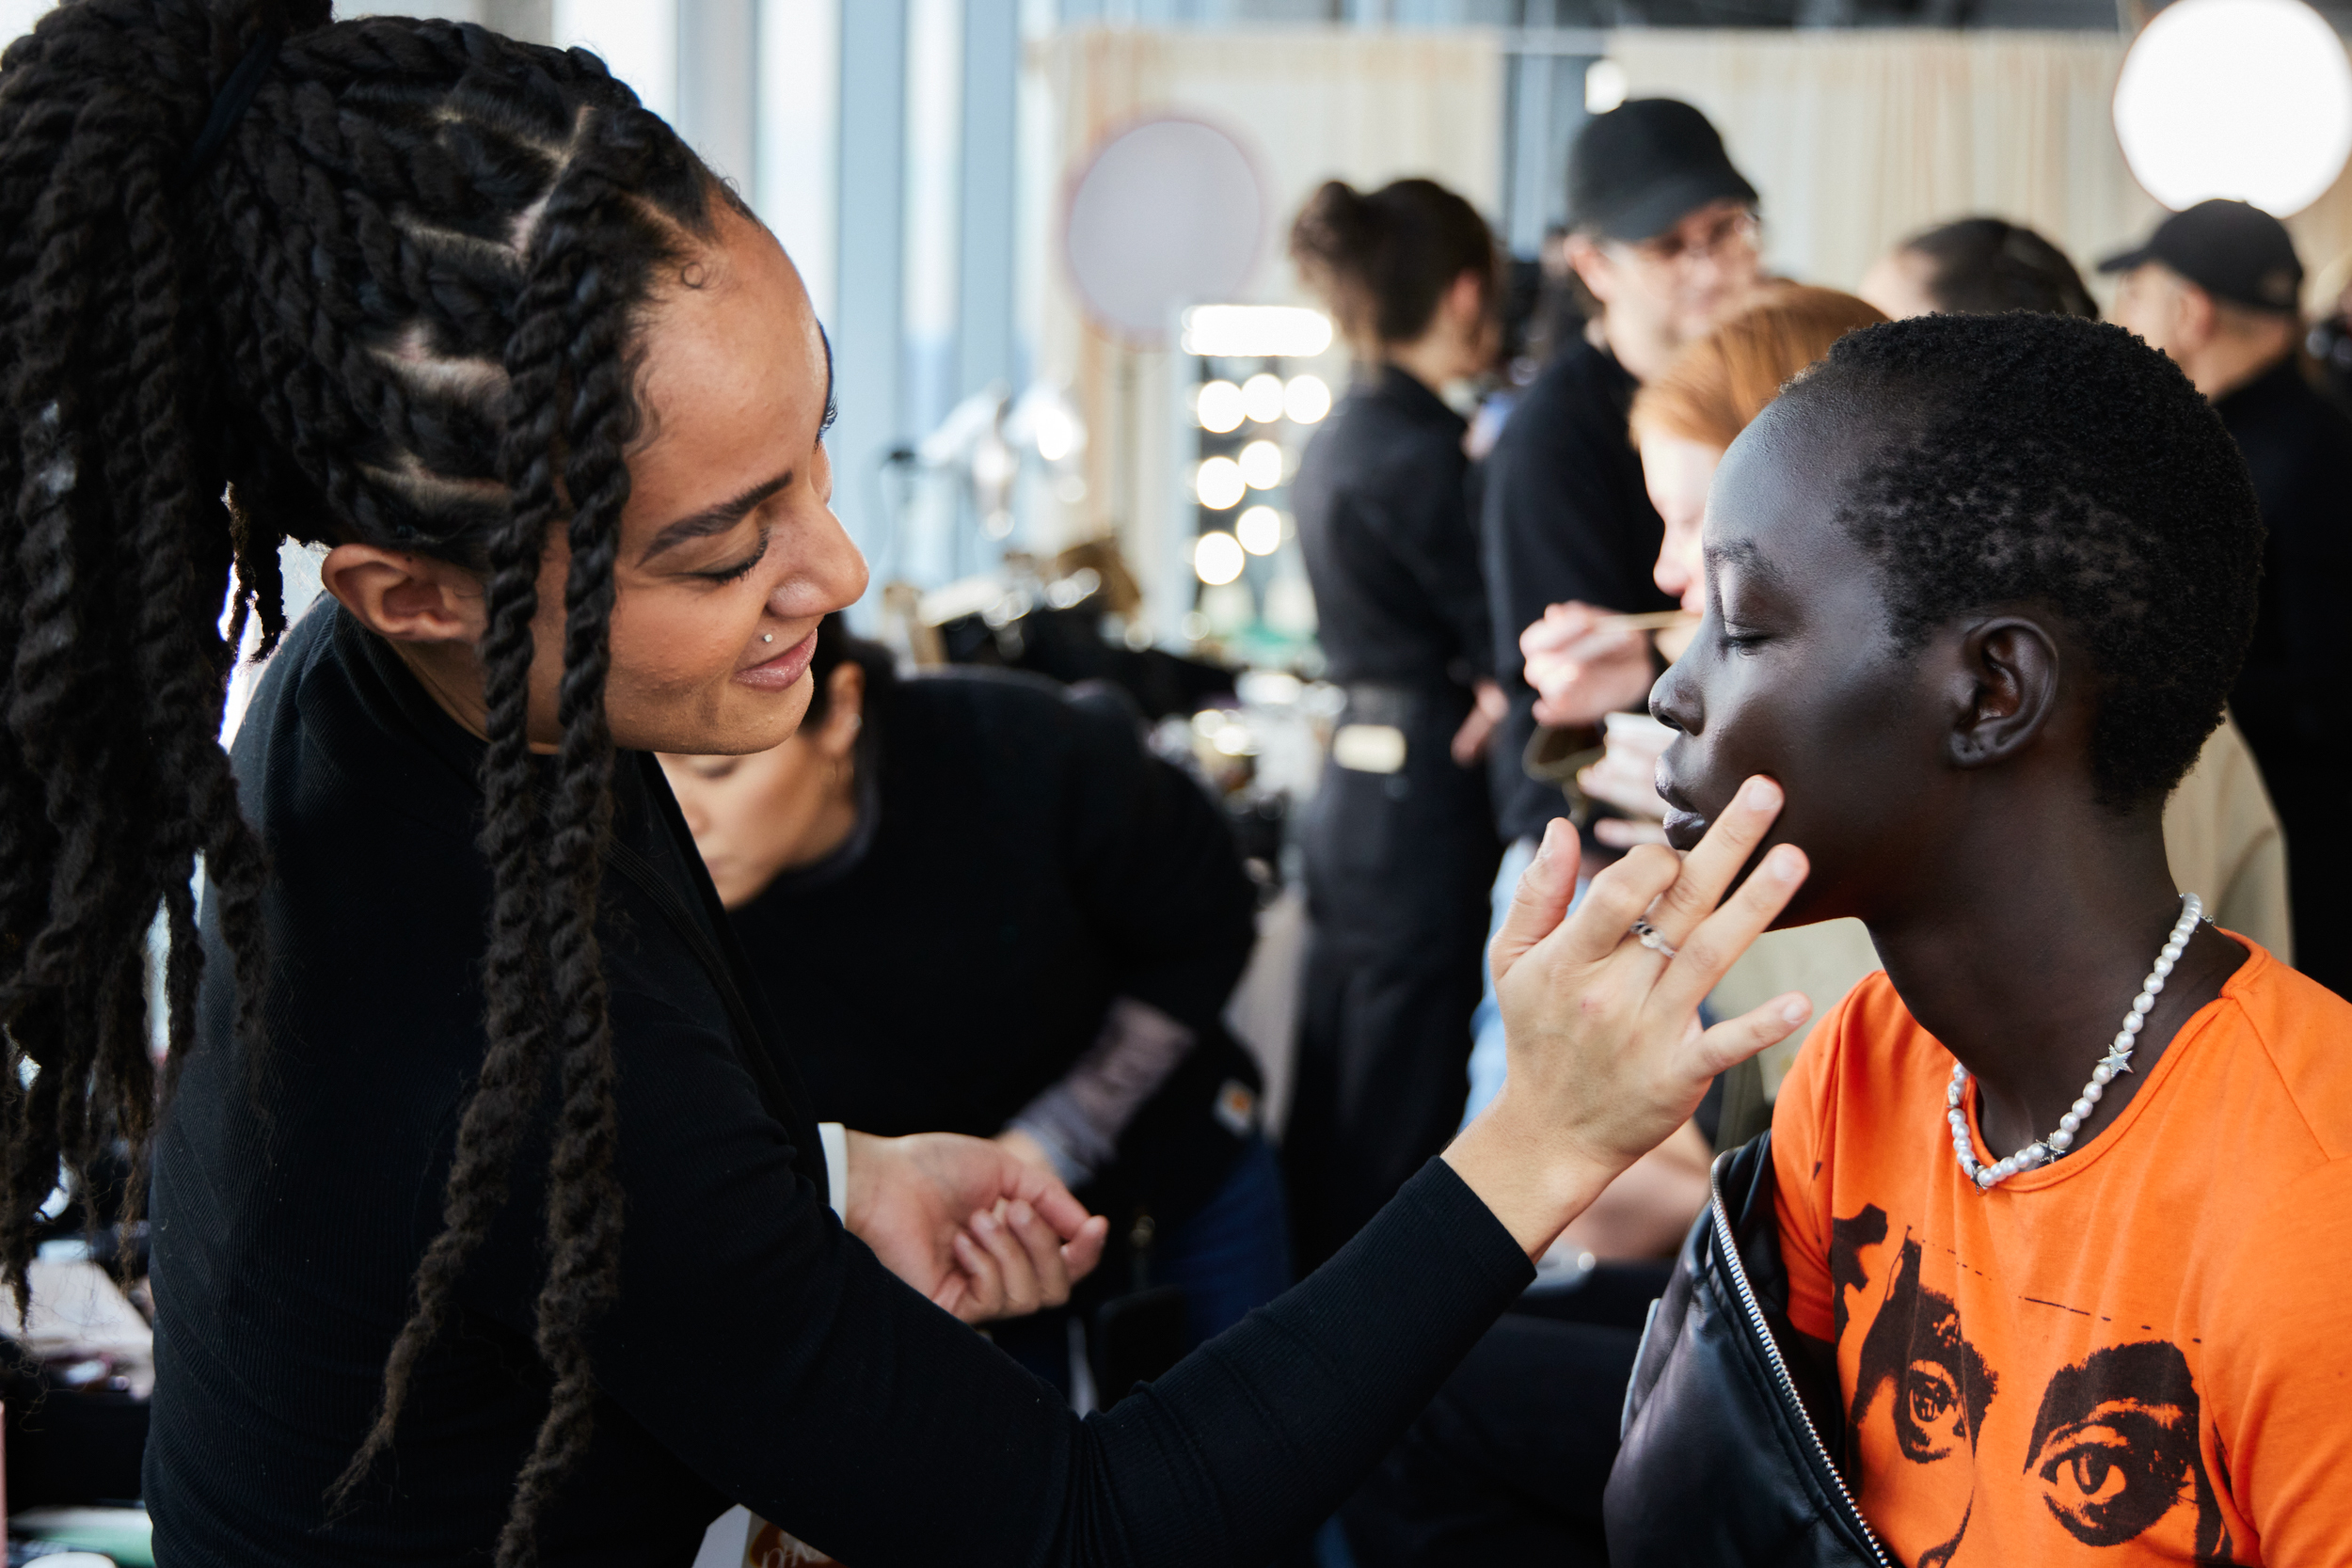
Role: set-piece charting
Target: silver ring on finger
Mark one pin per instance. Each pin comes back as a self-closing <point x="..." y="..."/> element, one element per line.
<point x="1647" y="935"/>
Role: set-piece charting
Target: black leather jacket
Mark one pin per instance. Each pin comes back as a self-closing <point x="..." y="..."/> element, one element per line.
<point x="1722" y="1461"/>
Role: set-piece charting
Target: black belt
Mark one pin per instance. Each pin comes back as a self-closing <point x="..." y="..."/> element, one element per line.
<point x="1394" y="703"/>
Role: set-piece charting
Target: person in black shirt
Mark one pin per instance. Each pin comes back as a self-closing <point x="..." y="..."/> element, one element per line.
<point x="1399" y="847"/>
<point x="2215" y="288"/>
<point x="490" y="1222"/>
<point x="1084" y="918"/>
<point x="1663" y="237"/>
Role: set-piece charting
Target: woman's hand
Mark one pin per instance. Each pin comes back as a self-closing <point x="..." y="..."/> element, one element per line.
<point x="969" y="1224"/>
<point x="1626" y="777"/>
<point x="1478" y="730"/>
<point x="1606" y="1055"/>
<point x="1581" y="667"/>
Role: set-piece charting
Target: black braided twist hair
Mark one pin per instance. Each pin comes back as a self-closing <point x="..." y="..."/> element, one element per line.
<point x="399" y="306"/>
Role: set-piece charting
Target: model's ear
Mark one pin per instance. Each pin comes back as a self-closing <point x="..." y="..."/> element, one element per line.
<point x="404" y="598"/>
<point x="2005" y="688"/>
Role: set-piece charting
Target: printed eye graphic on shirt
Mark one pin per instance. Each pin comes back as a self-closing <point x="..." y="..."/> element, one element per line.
<point x="2113" y="1457"/>
<point x="1920" y="1376"/>
<point x="2115" y="1450"/>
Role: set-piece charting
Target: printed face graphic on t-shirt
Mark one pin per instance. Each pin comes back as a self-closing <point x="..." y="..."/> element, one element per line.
<point x="1921" y="1378"/>
<point x="2115" y="1451"/>
<point x="2112" y="1456"/>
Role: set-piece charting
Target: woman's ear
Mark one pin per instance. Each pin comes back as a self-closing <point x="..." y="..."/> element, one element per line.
<point x="1466" y="300"/>
<point x="404" y="598"/>
<point x="845" y="711"/>
<point x="2007" y="684"/>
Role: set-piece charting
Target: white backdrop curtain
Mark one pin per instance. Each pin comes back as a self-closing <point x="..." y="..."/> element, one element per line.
<point x="1856" y="140"/>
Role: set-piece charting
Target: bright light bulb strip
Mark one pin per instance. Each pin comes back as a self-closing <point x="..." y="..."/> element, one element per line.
<point x="1256" y="332"/>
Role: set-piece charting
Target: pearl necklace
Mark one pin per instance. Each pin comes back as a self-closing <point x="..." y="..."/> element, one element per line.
<point x="2118" y="1060"/>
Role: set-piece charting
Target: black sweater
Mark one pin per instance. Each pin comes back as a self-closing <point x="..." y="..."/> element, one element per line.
<point x="1384" y="522"/>
<point x="1566" y="516"/>
<point x="757" y="1352"/>
<point x="1023" y="853"/>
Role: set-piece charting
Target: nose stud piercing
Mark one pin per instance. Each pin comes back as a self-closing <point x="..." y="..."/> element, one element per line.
<point x="766" y="636"/>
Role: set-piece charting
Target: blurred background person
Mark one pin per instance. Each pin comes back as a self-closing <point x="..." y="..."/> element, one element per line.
<point x="2217" y="288"/>
<point x="1979" y="265"/>
<point x="1662" y="237"/>
<point x="1400" y="846"/>
<point x="2330" y="339"/>
<point x="1078" y="916"/>
<point x="1509" y="1464"/>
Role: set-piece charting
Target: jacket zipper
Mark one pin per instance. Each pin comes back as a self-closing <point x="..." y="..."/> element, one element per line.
<point x="1725" y="1244"/>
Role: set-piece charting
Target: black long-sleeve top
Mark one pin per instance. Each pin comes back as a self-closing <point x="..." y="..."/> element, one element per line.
<point x="1566" y="516"/>
<point x="756" y="1353"/>
<point x="2294" y="695"/>
<point x="1392" y="551"/>
<point x="1021" y="852"/>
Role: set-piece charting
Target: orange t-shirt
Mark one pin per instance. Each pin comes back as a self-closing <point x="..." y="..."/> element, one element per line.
<point x="2142" y="1354"/>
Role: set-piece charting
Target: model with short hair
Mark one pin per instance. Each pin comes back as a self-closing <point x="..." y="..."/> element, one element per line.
<point x="2054" y="1188"/>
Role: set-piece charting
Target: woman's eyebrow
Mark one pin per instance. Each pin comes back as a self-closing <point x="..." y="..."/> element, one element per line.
<point x="713" y="519"/>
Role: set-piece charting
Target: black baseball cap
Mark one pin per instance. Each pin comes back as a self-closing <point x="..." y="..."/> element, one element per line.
<point x="2233" y="250"/>
<point x="1636" y="171"/>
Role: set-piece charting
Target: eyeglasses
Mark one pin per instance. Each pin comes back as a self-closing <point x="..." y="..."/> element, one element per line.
<point x="1729" y="235"/>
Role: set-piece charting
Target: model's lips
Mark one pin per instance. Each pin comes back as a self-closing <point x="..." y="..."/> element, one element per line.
<point x="784" y="671"/>
<point x="1684" y="827"/>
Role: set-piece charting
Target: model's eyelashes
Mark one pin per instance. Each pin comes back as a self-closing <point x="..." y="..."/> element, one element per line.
<point x="740" y="569"/>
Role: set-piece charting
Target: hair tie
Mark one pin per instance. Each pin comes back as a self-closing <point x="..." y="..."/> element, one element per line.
<point x="236" y="96"/>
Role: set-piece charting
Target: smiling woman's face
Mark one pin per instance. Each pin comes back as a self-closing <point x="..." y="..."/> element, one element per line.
<point x="1793" y="674"/>
<point x="729" y="551"/>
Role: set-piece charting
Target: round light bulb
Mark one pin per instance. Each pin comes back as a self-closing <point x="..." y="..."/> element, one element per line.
<point x="1219" y="483"/>
<point x="1261" y="397"/>
<point x="1218" y="558"/>
<point x="1057" y="434"/>
<point x="1307" y="399"/>
<point x="1260" y="531"/>
<point x="1219" y="407"/>
<point x="1605" y="87"/>
<point x="1261" y="464"/>
<point x="2246" y="99"/>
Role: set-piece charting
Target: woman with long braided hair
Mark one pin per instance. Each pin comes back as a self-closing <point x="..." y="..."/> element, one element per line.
<point x="488" y="1222"/>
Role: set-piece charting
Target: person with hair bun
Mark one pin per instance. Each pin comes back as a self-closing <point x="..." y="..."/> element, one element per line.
<point x="489" y="1220"/>
<point x="1976" y="266"/>
<point x="1399" y="846"/>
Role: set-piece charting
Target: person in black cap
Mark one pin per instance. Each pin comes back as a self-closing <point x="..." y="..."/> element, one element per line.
<point x="1662" y="234"/>
<point x="2215" y="288"/>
